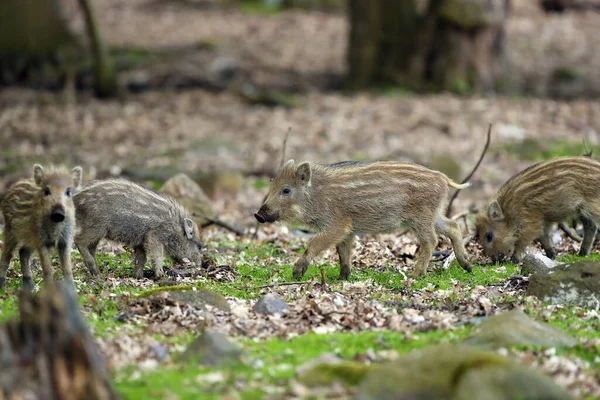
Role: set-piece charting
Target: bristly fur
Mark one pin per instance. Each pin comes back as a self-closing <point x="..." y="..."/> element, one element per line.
<point x="345" y="198"/>
<point x="28" y="208"/>
<point x="529" y="203"/>
<point x="125" y="212"/>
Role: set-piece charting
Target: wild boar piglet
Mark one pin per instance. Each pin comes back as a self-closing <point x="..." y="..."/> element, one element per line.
<point x="151" y="223"/>
<point x="39" y="214"/>
<point x="342" y="199"/>
<point x="528" y="205"/>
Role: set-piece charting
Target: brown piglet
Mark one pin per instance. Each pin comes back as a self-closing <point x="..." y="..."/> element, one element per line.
<point x="39" y="215"/>
<point x="342" y="199"/>
<point x="531" y="202"/>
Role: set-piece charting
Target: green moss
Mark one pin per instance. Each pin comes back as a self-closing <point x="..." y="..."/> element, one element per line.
<point x="349" y="372"/>
<point x="540" y="150"/>
<point x="566" y="74"/>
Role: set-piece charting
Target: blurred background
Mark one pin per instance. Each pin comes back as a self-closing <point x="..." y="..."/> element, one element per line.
<point x="149" y="88"/>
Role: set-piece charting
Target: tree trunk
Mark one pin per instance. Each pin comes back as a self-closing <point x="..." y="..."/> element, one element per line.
<point x="49" y="353"/>
<point x="451" y="45"/>
<point x="33" y="35"/>
<point x="105" y="78"/>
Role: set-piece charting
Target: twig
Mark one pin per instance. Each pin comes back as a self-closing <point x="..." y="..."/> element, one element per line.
<point x="284" y="147"/>
<point x="570" y="232"/>
<point x="587" y="152"/>
<point x="285" y="284"/>
<point x="485" y="148"/>
<point x="460" y="215"/>
<point x="218" y="222"/>
<point x="323" y="281"/>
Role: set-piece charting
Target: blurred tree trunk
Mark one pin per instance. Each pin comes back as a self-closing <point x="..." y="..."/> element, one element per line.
<point x="105" y="77"/>
<point x="33" y="36"/>
<point x="49" y="353"/>
<point x="450" y="45"/>
<point x="37" y="47"/>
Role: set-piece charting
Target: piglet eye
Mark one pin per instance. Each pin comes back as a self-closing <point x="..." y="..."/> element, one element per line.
<point x="489" y="236"/>
<point x="47" y="191"/>
<point x="286" y="191"/>
<point x="68" y="192"/>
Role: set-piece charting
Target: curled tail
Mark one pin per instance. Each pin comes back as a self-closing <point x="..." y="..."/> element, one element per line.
<point x="458" y="185"/>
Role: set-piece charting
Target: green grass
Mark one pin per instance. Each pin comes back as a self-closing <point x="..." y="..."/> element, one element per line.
<point x="270" y="364"/>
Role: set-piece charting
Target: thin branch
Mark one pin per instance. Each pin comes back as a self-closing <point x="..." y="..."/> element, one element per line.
<point x="587" y="152"/>
<point x="285" y="284"/>
<point x="284" y="147"/>
<point x="485" y="148"/>
<point x="570" y="232"/>
<point x="323" y="280"/>
<point x="218" y="222"/>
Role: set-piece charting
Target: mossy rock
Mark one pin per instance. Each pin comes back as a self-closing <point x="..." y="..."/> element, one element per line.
<point x="459" y="373"/>
<point x="351" y="373"/>
<point x="212" y="349"/>
<point x="196" y="297"/>
<point x="190" y="195"/>
<point x="568" y="284"/>
<point x="515" y="328"/>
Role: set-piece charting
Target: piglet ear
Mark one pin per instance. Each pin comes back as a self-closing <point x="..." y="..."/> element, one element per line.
<point x="38" y="174"/>
<point x="495" y="211"/>
<point x="77" y="176"/>
<point x="188" y="228"/>
<point x="303" y="173"/>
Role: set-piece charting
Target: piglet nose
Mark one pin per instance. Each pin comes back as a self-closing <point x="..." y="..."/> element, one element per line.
<point x="259" y="218"/>
<point x="57" y="215"/>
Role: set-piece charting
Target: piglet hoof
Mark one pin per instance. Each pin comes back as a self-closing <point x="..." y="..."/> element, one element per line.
<point x="300" y="268"/>
<point x="28" y="283"/>
<point x="551" y="254"/>
<point x="344" y="275"/>
<point x="2" y="282"/>
<point x="467" y="267"/>
<point x="139" y="274"/>
<point x="93" y="271"/>
<point x="158" y="273"/>
<point x="417" y="272"/>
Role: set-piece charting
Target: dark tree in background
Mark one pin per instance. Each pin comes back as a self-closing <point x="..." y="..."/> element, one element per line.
<point x="37" y="47"/>
<point x="437" y="44"/>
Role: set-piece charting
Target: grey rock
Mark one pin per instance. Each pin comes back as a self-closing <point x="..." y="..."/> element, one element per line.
<point x="200" y="298"/>
<point x="160" y="351"/>
<point x="536" y="262"/>
<point x="515" y="328"/>
<point x="189" y="194"/>
<point x="212" y="348"/>
<point x="270" y="304"/>
<point x="568" y="284"/>
<point x="456" y="373"/>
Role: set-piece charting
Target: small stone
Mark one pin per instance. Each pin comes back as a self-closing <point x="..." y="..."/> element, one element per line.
<point x="270" y="304"/>
<point x="212" y="348"/>
<point x="160" y="351"/>
<point x="536" y="262"/>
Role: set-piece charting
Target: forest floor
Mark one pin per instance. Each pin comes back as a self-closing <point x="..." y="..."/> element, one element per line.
<point x="382" y="311"/>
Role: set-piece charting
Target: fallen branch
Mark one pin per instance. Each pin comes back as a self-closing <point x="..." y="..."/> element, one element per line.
<point x="323" y="281"/>
<point x="285" y="284"/>
<point x="470" y="175"/>
<point x="570" y="232"/>
<point x="218" y="222"/>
